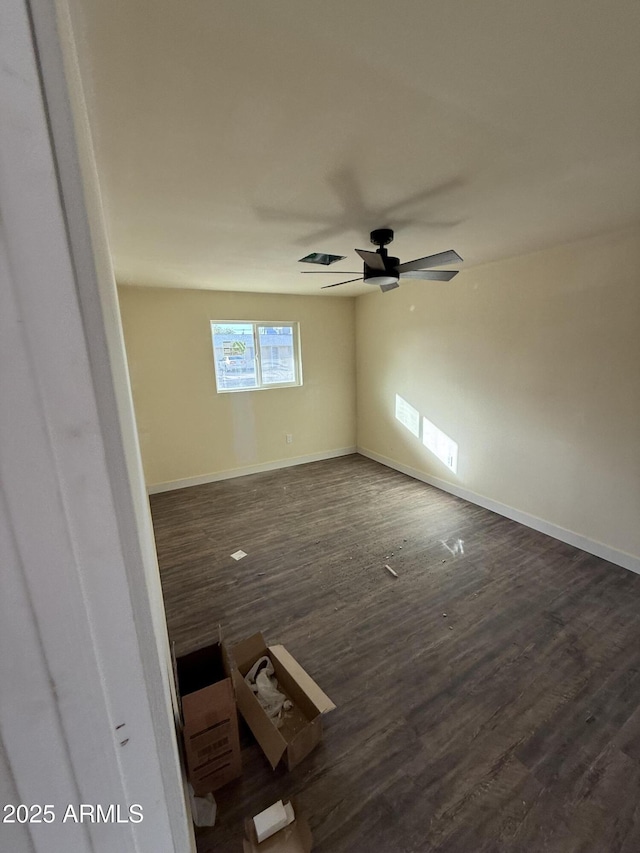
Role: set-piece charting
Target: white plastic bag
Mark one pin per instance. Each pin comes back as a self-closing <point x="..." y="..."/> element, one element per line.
<point x="262" y="681"/>
<point x="203" y="809"/>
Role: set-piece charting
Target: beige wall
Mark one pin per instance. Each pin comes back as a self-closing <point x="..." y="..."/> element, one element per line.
<point x="188" y="430"/>
<point x="533" y="366"/>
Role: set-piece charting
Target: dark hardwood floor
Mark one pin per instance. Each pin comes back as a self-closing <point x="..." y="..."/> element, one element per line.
<point x="510" y="724"/>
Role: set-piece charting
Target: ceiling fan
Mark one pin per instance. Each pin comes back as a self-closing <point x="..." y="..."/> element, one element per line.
<point x="387" y="272"/>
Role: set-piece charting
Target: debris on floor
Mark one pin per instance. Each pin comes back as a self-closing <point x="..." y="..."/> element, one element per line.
<point x="272" y="820"/>
<point x="203" y="809"/>
<point x="389" y="569"/>
<point x="238" y="555"/>
<point x="292" y="836"/>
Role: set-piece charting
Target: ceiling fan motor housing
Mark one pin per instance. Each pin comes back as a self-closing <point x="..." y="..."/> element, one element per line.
<point x="380" y="277"/>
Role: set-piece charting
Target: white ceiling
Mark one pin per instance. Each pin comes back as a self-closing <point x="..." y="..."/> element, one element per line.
<point x="235" y="136"/>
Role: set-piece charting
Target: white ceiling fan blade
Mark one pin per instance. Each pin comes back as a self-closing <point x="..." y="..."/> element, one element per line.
<point x="372" y="259"/>
<point x="431" y="275"/>
<point x="438" y="260"/>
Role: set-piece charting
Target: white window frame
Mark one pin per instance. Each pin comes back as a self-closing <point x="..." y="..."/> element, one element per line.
<point x="256" y="325"/>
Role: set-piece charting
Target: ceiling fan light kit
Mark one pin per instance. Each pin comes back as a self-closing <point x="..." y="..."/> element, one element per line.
<point x="386" y="272"/>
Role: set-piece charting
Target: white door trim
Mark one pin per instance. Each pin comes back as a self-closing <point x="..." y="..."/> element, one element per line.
<point x="85" y="707"/>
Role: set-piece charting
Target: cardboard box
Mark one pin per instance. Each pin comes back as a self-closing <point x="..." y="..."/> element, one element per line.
<point x="209" y="719"/>
<point x="302" y="726"/>
<point x="294" y="838"/>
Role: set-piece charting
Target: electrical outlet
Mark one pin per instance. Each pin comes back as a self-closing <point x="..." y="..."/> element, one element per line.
<point x="289" y="438"/>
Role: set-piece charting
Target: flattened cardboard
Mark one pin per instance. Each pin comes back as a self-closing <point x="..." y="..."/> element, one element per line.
<point x="300" y="732"/>
<point x="295" y="838"/>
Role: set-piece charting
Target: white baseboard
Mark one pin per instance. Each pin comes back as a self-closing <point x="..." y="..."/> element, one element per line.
<point x="606" y="552"/>
<point x="250" y="469"/>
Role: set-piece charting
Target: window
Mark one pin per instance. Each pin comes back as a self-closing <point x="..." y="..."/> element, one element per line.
<point x="250" y="356"/>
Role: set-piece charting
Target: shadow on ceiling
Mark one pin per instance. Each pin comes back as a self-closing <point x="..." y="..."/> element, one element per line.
<point x="356" y="214"/>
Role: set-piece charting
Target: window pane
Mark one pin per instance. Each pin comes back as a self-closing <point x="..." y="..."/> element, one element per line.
<point x="277" y="354"/>
<point x="234" y="356"/>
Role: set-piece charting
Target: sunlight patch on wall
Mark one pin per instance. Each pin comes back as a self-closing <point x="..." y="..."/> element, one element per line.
<point x="408" y="416"/>
<point x="438" y="442"/>
<point x="445" y="448"/>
